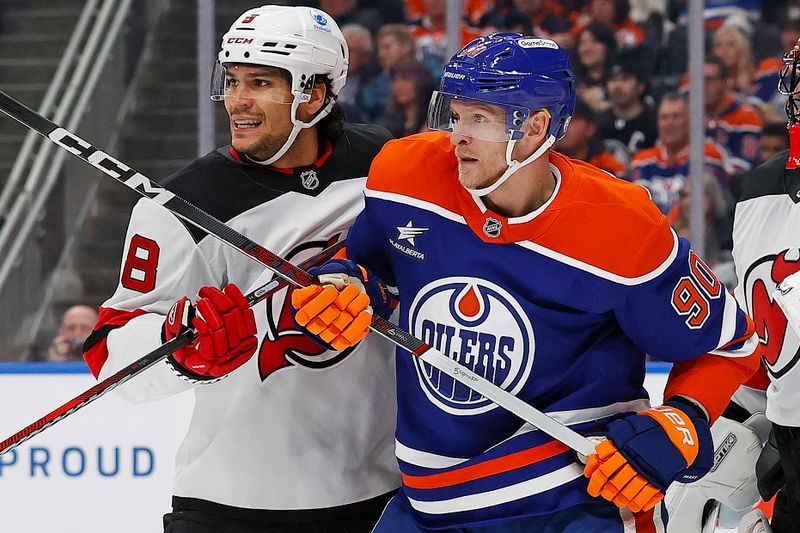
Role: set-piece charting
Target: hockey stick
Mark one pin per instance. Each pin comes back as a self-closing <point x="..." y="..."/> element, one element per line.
<point x="192" y="214"/>
<point x="142" y="364"/>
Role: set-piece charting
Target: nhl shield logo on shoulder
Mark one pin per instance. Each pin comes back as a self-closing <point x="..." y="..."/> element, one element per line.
<point x="492" y="227"/>
<point x="309" y="179"/>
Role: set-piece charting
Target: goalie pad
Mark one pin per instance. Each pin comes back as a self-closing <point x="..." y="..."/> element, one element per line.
<point x="787" y="294"/>
<point x="731" y="480"/>
<point x="755" y="522"/>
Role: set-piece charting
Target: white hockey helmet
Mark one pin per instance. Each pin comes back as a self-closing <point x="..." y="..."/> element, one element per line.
<point x="304" y="41"/>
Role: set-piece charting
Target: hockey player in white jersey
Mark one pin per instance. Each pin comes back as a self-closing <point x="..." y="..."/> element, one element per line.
<point x="766" y="253"/>
<point x="286" y="435"/>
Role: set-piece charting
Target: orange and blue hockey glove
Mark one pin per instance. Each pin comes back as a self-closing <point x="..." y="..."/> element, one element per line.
<point x="647" y="451"/>
<point x="339" y="311"/>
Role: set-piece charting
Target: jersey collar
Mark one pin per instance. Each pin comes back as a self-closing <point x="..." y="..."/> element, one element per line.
<point x="494" y="228"/>
<point x="243" y="158"/>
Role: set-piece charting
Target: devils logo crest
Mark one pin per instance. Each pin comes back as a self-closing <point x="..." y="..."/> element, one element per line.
<point x="284" y="345"/>
<point x="781" y="346"/>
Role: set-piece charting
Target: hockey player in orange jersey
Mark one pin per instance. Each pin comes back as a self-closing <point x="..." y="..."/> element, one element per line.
<point x="550" y="278"/>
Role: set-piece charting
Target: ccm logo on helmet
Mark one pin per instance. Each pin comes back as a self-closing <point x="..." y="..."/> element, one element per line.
<point x="239" y="40"/>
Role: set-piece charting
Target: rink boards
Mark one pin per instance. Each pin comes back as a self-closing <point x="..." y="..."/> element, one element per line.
<point x="110" y="463"/>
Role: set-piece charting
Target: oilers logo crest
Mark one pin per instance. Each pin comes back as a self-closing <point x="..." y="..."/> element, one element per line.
<point x="479" y="325"/>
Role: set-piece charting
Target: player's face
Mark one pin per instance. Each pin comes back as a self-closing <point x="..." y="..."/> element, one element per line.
<point x="480" y="162"/>
<point x="258" y="102"/>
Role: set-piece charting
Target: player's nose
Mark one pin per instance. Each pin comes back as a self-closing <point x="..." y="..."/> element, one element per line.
<point x="459" y="138"/>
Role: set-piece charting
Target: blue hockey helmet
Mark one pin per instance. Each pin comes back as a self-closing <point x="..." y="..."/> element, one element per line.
<point x="523" y="75"/>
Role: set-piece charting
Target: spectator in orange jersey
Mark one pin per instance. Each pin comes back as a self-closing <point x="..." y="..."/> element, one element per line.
<point x="582" y="142"/>
<point x="430" y="34"/>
<point x="473" y="9"/>
<point x="664" y="168"/>
<point x="615" y="14"/>
<point x="731" y="122"/>
<point x="716" y="209"/>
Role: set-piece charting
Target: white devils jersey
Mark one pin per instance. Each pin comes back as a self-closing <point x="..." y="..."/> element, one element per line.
<point x="297" y="427"/>
<point x="766" y="249"/>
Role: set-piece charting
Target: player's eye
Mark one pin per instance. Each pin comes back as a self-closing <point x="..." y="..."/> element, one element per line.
<point x="260" y="82"/>
<point x="479" y="119"/>
<point x="454" y="118"/>
<point x="231" y="82"/>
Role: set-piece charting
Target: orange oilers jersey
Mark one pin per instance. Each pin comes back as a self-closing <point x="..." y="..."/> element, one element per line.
<point x="559" y="307"/>
<point x="738" y="129"/>
<point x="665" y="176"/>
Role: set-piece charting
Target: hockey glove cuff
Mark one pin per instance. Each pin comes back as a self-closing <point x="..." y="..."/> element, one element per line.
<point x="647" y="451"/>
<point x="226" y="333"/>
<point x="339" y="311"/>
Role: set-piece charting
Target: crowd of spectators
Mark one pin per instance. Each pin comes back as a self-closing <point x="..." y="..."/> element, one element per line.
<point x="630" y="63"/>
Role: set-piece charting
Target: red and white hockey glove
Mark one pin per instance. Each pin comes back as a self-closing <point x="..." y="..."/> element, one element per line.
<point x="339" y="311"/>
<point x="647" y="451"/>
<point x="226" y="333"/>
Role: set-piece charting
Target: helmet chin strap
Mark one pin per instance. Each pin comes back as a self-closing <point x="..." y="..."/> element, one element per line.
<point x="297" y="125"/>
<point x="514" y="165"/>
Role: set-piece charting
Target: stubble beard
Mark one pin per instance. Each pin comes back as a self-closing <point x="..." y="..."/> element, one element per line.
<point x="480" y="176"/>
<point x="263" y="148"/>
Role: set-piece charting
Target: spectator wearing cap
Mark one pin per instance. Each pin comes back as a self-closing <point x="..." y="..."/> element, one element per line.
<point x="664" y="168"/>
<point x="595" y="50"/>
<point x="629" y="125"/>
<point x="582" y="142"/>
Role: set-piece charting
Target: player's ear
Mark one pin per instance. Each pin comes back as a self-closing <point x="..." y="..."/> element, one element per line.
<point x="308" y="109"/>
<point x="536" y="125"/>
